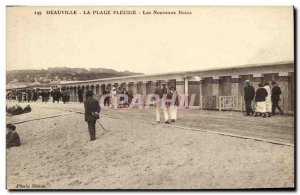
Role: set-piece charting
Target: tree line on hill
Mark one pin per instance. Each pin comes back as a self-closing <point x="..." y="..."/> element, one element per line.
<point x="68" y="74"/>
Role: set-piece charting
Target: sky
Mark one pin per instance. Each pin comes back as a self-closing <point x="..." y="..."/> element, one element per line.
<point x="210" y="37"/>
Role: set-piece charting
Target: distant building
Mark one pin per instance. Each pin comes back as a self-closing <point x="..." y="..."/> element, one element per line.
<point x="213" y="88"/>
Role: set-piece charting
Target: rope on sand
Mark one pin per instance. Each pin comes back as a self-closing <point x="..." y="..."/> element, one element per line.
<point x="46" y="117"/>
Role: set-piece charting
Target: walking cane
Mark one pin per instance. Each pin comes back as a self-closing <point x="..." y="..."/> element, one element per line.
<point x="102" y="126"/>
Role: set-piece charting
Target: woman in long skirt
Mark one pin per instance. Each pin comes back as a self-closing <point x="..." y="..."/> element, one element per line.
<point x="268" y="100"/>
<point x="260" y="99"/>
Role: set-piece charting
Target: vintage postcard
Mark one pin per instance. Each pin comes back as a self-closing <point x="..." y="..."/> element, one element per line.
<point x="150" y="97"/>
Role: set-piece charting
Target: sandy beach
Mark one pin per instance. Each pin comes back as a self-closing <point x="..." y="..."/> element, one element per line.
<point x="56" y="154"/>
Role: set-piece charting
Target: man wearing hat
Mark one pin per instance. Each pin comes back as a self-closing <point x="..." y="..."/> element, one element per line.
<point x="91" y="113"/>
<point x="174" y="106"/>
<point x="249" y="94"/>
<point x="113" y="96"/>
<point x="275" y="97"/>
<point x="161" y="90"/>
<point x="12" y="137"/>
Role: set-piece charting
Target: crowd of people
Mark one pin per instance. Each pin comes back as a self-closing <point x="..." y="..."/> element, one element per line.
<point x="111" y="97"/>
<point x="267" y="99"/>
<point x="23" y="96"/>
<point x="35" y="95"/>
<point x="63" y="96"/>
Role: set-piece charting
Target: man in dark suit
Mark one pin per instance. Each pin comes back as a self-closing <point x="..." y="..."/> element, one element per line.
<point x="275" y="97"/>
<point x="56" y="95"/>
<point x="249" y="94"/>
<point x="64" y="95"/>
<point x="80" y="95"/>
<point x="43" y="96"/>
<point x="91" y="114"/>
<point x="164" y="88"/>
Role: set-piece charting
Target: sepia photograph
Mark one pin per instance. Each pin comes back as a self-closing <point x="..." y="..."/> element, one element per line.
<point x="150" y="98"/>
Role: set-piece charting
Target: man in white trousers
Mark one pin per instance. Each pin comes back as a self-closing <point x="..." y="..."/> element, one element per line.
<point x="174" y="105"/>
<point x="113" y="96"/>
<point x="160" y="103"/>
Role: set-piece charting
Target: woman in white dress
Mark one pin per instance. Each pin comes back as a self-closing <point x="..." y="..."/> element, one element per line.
<point x="113" y="94"/>
<point x="268" y="100"/>
<point x="260" y="99"/>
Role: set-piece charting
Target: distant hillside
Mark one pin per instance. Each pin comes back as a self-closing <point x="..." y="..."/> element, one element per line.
<point x="68" y="74"/>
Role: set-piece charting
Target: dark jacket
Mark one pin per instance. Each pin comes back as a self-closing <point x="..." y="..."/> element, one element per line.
<point x="105" y="91"/>
<point x="276" y="92"/>
<point x="249" y="92"/>
<point x="79" y="92"/>
<point x="12" y="139"/>
<point x="261" y="94"/>
<point x="129" y="93"/>
<point x="56" y="95"/>
<point x="15" y="110"/>
<point x="170" y="97"/>
<point x="90" y="107"/>
<point x="27" y="109"/>
<point x="165" y="90"/>
<point x="158" y="91"/>
<point x="177" y="99"/>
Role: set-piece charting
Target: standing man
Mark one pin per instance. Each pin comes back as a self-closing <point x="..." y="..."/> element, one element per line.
<point x="47" y="95"/>
<point x="129" y="93"/>
<point x="119" y="92"/>
<point x="159" y="90"/>
<point x="80" y="95"/>
<point x="91" y="113"/>
<point x="34" y="95"/>
<point x="68" y="96"/>
<point x="165" y="89"/>
<point x="29" y="96"/>
<point x="43" y="96"/>
<point x="64" y="95"/>
<point x="56" y="95"/>
<point x="276" y="92"/>
<point x="174" y="107"/>
<point x="249" y="94"/>
<point x="24" y="96"/>
<point x="19" y="96"/>
<point x="52" y="95"/>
